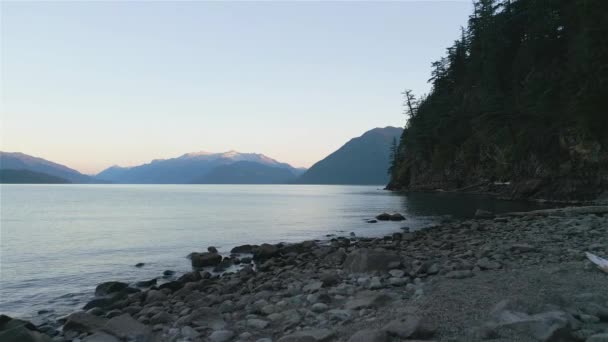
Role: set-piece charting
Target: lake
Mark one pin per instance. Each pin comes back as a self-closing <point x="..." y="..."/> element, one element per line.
<point x="59" y="241"/>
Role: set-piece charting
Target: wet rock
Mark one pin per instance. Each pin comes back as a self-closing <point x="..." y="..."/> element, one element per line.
<point x="125" y="327"/>
<point x="140" y="265"/>
<point x="100" y="337"/>
<point x="523" y="248"/>
<point x="319" y="307"/>
<point x="242" y="249"/>
<point x="221" y="336"/>
<point x="154" y="296"/>
<point x="265" y="251"/>
<point x="372" y="221"/>
<point x="110" y="287"/>
<point x="329" y="279"/>
<point x="369" y="335"/>
<point x="205" y="259"/>
<point x="83" y="322"/>
<point x="410" y="327"/>
<point x="397" y="217"/>
<point x="383" y="217"/>
<point x="366" y="260"/>
<point x="546" y="326"/>
<point x="313" y="335"/>
<point x="212" y="249"/>
<point x="168" y="273"/>
<point x="16" y="330"/>
<point x="189" y="332"/>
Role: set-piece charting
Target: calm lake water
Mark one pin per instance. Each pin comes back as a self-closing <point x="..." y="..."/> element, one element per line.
<point x="59" y="241"/>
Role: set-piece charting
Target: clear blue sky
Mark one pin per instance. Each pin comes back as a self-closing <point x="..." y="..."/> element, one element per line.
<point x="92" y="84"/>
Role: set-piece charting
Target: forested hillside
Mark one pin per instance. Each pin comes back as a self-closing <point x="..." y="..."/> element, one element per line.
<point x="521" y="98"/>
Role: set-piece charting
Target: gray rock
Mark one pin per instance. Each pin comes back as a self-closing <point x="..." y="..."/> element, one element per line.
<point x="100" y="337"/>
<point x="257" y="323"/>
<point x="329" y="279"/>
<point x="265" y="251"/>
<point x="242" y="249"/>
<point x="125" y="327"/>
<point x="319" y="307"/>
<point x="546" y="326"/>
<point x="397" y="217"/>
<point x="83" y="322"/>
<point x="189" y="332"/>
<point x="366" y="260"/>
<point x="154" y="296"/>
<point x="459" y="274"/>
<point x="313" y="335"/>
<point x="410" y="327"/>
<point x="487" y="264"/>
<point x="369" y="335"/>
<point x="598" y="338"/>
<point x="383" y="217"/>
<point x="16" y="330"/>
<point x="109" y="287"/>
<point x="367" y="299"/>
<point x="397" y="273"/>
<point x="212" y="249"/>
<point x="205" y="259"/>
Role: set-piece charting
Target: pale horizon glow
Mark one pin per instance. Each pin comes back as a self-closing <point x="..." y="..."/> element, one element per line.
<point x="95" y="84"/>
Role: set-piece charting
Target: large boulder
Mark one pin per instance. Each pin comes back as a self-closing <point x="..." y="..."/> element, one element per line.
<point x="369" y="335"/>
<point x="368" y="260"/>
<point x="83" y="322"/>
<point x="16" y="330"/>
<point x="410" y="327"/>
<point x="243" y="249"/>
<point x="265" y="251"/>
<point x="110" y="287"/>
<point x="205" y="259"/>
<point x="383" y="217"/>
<point x="125" y="327"/>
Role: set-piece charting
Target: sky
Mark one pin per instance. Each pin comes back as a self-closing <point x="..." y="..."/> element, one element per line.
<point x="95" y="84"/>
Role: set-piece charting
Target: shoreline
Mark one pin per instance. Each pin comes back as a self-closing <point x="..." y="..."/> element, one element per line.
<point x="377" y="289"/>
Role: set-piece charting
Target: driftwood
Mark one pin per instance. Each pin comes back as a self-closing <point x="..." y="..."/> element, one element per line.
<point x="601" y="263"/>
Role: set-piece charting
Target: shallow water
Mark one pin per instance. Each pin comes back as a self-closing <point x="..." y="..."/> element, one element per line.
<point x="59" y="241"/>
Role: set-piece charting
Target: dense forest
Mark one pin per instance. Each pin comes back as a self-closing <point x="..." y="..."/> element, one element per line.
<point x="520" y="99"/>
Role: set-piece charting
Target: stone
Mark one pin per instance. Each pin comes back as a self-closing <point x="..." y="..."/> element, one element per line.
<point x="396" y="273"/>
<point x="319" y="307"/>
<point x="125" y="327"/>
<point x="459" y="274"/>
<point x="340" y="315"/>
<point x="523" y="248"/>
<point x="598" y="338"/>
<point x="154" y="296"/>
<point x="369" y="335"/>
<point x="100" y="337"/>
<point x="189" y="332"/>
<point x="311" y="335"/>
<point x="546" y="326"/>
<point x="366" y="260"/>
<point x="221" y="336"/>
<point x="397" y="217"/>
<point x="383" y="217"/>
<point x="205" y="259"/>
<point x="110" y="287"/>
<point x="140" y="264"/>
<point x="367" y="299"/>
<point x="212" y="249"/>
<point x="168" y="273"/>
<point x="248" y="249"/>
<point x="161" y="317"/>
<point x="313" y="286"/>
<point x="83" y="322"/>
<point x="16" y="330"/>
<point x="410" y="327"/>
<point x="265" y="251"/>
<point x="329" y="279"/>
<point x="487" y="264"/>
<point x="257" y="323"/>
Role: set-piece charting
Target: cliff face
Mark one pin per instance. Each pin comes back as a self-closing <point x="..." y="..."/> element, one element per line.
<point x="518" y="106"/>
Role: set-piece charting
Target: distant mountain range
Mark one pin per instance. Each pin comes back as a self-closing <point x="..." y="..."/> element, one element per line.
<point x="205" y="168"/>
<point x="39" y="169"/>
<point x="362" y="160"/>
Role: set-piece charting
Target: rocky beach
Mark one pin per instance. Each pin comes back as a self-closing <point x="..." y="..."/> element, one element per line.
<point x="513" y="277"/>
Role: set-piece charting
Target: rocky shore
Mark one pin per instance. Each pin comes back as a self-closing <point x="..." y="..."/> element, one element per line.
<point x="514" y="277"/>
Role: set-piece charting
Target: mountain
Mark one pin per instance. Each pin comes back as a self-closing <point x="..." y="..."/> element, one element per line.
<point x="11" y="176"/>
<point x="517" y="106"/>
<point x="248" y="172"/>
<point x="362" y="160"/>
<point x="194" y="167"/>
<point x="21" y="161"/>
